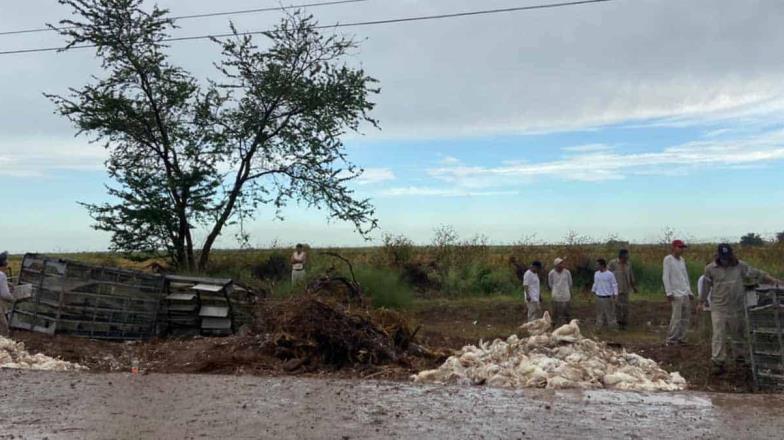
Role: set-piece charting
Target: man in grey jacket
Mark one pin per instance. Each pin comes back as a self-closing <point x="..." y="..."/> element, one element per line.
<point x="724" y="279"/>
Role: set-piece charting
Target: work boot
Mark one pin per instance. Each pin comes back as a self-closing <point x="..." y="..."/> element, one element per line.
<point x="718" y="370"/>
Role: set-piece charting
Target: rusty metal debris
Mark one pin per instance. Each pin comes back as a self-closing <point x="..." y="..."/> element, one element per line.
<point x="78" y="299"/>
<point x="765" y="333"/>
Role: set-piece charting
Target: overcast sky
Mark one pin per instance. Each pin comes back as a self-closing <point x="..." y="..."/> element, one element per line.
<point x="618" y="118"/>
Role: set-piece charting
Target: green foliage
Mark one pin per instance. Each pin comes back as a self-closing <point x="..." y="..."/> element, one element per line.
<point x="385" y="287"/>
<point x="397" y="250"/>
<point x="752" y="239"/>
<point x="186" y="154"/>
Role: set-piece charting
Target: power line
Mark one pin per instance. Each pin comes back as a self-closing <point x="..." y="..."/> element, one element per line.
<point x="205" y="15"/>
<point x="339" y="25"/>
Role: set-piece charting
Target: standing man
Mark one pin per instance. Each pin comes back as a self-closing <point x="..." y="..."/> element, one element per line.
<point x="5" y="294"/>
<point x="298" y="260"/>
<point x="621" y="267"/>
<point x="560" y="282"/>
<point x="724" y="282"/>
<point x="606" y="289"/>
<point x="531" y="288"/>
<point x="678" y="290"/>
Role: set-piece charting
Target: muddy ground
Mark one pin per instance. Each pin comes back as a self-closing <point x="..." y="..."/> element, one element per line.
<point x="38" y="405"/>
<point x="445" y="325"/>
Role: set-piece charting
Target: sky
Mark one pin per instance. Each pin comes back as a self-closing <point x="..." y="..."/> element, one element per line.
<point x="620" y="119"/>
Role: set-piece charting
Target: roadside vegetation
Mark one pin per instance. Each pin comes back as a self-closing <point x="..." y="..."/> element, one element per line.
<point x="399" y="272"/>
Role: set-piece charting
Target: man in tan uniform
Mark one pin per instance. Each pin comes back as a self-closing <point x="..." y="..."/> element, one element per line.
<point x="724" y="279"/>
<point x="621" y="267"/>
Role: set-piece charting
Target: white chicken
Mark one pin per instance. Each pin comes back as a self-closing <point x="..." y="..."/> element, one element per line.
<point x="559" y="359"/>
<point x="538" y="326"/>
<point x="568" y="332"/>
<point x="13" y="355"/>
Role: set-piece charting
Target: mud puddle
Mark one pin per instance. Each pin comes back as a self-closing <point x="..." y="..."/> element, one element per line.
<point x="38" y="405"/>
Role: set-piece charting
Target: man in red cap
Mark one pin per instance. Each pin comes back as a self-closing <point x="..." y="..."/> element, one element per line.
<point x="678" y="290"/>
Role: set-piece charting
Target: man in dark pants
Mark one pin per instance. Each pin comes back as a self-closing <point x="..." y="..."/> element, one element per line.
<point x="621" y="267"/>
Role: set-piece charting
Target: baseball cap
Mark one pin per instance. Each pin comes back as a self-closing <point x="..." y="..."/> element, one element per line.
<point x="724" y="250"/>
<point x="679" y="243"/>
<point x="558" y="261"/>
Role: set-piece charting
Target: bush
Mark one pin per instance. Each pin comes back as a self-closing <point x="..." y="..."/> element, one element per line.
<point x="752" y="239"/>
<point x="384" y="287"/>
<point x="397" y="250"/>
<point x="274" y="268"/>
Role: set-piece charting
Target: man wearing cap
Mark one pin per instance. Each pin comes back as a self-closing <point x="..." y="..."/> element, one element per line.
<point x="724" y="279"/>
<point x="621" y="267"/>
<point x="678" y="290"/>
<point x="560" y="282"/>
<point x="5" y="294"/>
<point x="531" y="288"/>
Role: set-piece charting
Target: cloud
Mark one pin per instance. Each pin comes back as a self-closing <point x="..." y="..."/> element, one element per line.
<point x="417" y="191"/>
<point x="587" y="148"/>
<point x="375" y="175"/>
<point x="37" y="157"/>
<point x="610" y="165"/>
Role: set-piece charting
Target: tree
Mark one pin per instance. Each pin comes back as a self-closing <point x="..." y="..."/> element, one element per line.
<point x="752" y="239"/>
<point x="186" y="154"/>
<point x="780" y="237"/>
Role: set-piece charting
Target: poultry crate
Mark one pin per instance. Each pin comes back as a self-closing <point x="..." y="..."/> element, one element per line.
<point x="765" y="333"/>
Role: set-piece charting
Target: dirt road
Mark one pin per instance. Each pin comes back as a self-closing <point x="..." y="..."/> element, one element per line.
<point x="37" y="405"/>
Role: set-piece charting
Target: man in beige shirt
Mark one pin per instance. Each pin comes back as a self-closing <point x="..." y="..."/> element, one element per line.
<point x="560" y="282"/>
<point x="621" y="267"/>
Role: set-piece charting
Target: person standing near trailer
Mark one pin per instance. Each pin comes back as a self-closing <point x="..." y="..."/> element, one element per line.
<point x="531" y="286"/>
<point x="724" y="282"/>
<point x="560" y="282"/>
<point x="677" y="287"/>
<point x="298" y="261"/>
<point x="5" y="295"/>
<point x="605" y="287"/>
<point x="621" y="267"/>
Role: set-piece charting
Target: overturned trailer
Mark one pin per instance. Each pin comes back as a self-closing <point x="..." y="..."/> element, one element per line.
<point x="78" y="299"/>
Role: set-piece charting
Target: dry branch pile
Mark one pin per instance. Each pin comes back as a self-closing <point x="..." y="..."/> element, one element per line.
<point x="315" y="332"/>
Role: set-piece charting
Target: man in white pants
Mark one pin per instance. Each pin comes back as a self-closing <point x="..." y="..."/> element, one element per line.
<point x="560" y="281"/>
<point x="532" y="291"/>
<point x="298" y="260"/>
<point x="678" y="290"/>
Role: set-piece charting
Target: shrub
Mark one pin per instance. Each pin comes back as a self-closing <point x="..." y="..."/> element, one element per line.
<point x="274" y="268"/>
<point x="384" y="287"/>
<point x="752" y="239"/>
<point x="397" y="250"/>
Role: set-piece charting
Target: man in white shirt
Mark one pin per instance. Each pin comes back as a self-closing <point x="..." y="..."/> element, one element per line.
<point x="532" y="293"/>
<point x="298" y="260"/>
<point x="560" y="282"/>
<point x="605" y="286"/>
<point x="5" y="294"/>
<point x="678" y="290"/>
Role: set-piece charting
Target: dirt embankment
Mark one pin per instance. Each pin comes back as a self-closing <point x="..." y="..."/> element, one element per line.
<point x="305" y="341"/>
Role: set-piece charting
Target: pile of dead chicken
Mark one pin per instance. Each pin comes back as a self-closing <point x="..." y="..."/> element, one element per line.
<point x="559" y="359"/>
<point x="14" y="355"/>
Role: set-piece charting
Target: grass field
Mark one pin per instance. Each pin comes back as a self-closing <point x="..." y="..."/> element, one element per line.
<point x="398" y="272"/>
